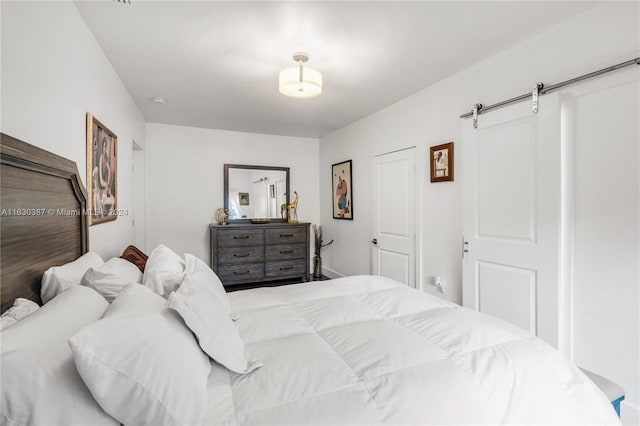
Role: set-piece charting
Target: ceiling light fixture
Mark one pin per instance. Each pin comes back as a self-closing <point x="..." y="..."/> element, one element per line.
<point x="159" y="99"/>
<point x="300" y="82"/>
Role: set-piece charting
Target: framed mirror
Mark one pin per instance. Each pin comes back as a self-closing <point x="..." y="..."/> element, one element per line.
<point x="256" y="192"/>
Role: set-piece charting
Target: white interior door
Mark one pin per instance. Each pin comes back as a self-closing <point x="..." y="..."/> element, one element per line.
<point x="394" y="216"/>
<point x="511" y="193"/>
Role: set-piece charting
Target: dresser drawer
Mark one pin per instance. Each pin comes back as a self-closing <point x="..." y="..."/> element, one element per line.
<point x="240" y="273"/>
<point x="229" y="255"/>
<point x="285" y="251"/>
<point x="240" y="237"/>
<point x="285" y="268"/>
<point x="286" y="235"/>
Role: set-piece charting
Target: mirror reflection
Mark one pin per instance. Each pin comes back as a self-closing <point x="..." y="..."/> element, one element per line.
<point x="255" y="193"/>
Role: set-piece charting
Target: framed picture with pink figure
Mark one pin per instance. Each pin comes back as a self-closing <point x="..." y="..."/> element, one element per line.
<point x="342" y="190"/>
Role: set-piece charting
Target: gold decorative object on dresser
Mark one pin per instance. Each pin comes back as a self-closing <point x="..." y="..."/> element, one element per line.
<point x="292" y="214"/>
<point x="244" y="254"/>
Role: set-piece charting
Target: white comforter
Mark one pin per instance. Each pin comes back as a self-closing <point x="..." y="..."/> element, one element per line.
<point x="367" y="350"/>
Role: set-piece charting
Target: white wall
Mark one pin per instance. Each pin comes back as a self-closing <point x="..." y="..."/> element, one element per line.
<point x="601" y="36"/>
<point x="53" y="73"/>
<point x="185" y="179"/>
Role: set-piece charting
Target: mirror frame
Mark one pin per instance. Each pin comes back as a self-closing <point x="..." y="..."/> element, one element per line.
<point x="244" y="166"/>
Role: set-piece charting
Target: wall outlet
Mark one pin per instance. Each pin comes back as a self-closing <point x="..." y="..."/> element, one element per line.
<point x="439" y="283"/>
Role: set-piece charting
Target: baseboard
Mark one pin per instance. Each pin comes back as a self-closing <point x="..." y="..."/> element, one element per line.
<point x="629" y="413"/>
<point x="331" y="273"/>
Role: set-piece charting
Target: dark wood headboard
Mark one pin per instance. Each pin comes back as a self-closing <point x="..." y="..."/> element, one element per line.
<point x="43" y="223"/>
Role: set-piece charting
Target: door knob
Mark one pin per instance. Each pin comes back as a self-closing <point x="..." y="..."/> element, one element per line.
<point x="375" y="241"/>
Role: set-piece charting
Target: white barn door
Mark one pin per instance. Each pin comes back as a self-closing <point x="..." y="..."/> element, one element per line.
<point x="511" y="196"/>
<point x="394" y="216"/>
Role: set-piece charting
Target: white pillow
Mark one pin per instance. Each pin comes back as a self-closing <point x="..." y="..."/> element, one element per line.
<point x="40" y="384"/>
<point x="205" y="310"/>
<point x="109" y="278"/>
<point x="21" y="308"/>
<point x="57" y="279"/>
<point x="141" y="363"/>
<point x="164" y="271"/>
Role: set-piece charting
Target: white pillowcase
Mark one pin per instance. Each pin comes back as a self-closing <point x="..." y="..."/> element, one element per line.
<point x="21" y="308"/>
<point x="109" y="278"/>
<point x="40" y="384"/>
<point x="142" y="364"/>
<point x="57" y="279"/>
<point x="203" y="305"/>
<point x="164" y="271"/>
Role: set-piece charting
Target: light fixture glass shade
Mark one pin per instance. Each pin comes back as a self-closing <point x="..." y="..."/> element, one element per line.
<point x="308" y="86"/>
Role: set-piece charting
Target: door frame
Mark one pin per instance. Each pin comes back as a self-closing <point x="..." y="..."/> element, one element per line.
<point x="140" y="219"/>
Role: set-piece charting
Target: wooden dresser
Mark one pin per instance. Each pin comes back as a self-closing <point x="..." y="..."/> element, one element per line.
<point x="248" y="253"/>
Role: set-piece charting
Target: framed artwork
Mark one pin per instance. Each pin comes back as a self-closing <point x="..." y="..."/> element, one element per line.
<point x="272" y="191"/>
<point x="243" y="198"/>
<point x="441" y="159"/>
<point x="342" y="190"/>
<point x="102" y="172"/>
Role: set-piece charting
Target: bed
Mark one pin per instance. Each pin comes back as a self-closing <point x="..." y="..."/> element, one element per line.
<point x="368" y="350"/>
<point x="355" y="350"/>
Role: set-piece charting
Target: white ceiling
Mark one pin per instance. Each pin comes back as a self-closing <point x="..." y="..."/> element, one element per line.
<point x="217" y="63"/>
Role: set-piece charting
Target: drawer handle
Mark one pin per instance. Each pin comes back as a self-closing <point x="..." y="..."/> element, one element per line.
<point x="286" y="235"/>
<point x="286" y="268"/>
<point x="242" y="255"/>
<point x="241" y="273"/>
<point x="243" y="237"/>
<point x="286" y="251"/>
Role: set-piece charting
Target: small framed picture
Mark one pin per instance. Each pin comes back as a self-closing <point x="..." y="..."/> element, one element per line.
<point x="102" y="171"/>
<point x="243" y="198"/>
<point x="272" y="191"/>
<point x="342" y="190"/>
<point x="441" y="159"/>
